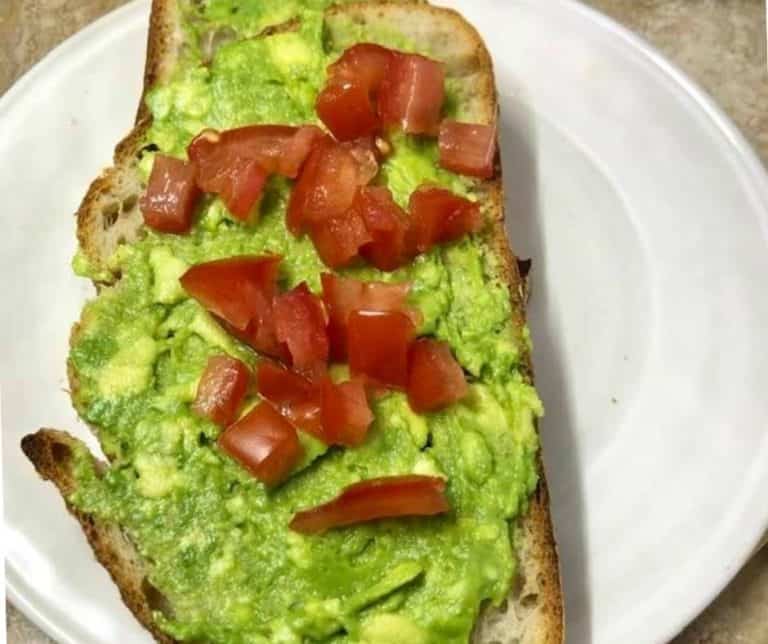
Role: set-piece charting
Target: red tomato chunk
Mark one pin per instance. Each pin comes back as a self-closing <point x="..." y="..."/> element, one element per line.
<point x="169" y="202"/>
<point x="370" y="87"/>
<point x="300" y="323"/>
<point x="239" y="184"/>
<point x="280" y="385"/>
<point x="438" y="216"/>
<point x="435" y="379"/>
<point x="342" y="295"/>
<point x="235" y="164"/>
<point x="278" y="149"/>
<point x="412" y="94"/>
<point x="382" y="498"/>
<point x="264" y="443"/>
<point x="347" y="104"/>
<point x="467" y="148"/>
<point x="325" y="188"/>
<point x="366" y="155"/>
<point x="221" y="389"/>
<point x="237" y="179"/>
<point x="338" y="239"/>
<point x="296" y="397"/>
<point x="346" y="415"/>
<point x="347" y="110"/>
<point x="378" y="346"/>
<point x="239" y="291"/>
<point x="387" y="225"/>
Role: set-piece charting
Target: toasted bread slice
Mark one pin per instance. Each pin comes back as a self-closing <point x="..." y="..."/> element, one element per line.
<point x="109" y="216"/>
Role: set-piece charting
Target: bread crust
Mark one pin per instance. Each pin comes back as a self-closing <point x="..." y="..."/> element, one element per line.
<point x="109" y="215"/>
<point x="51" y="452"/>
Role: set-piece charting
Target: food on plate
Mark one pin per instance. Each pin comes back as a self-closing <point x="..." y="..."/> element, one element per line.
<point x="307" y="363"/>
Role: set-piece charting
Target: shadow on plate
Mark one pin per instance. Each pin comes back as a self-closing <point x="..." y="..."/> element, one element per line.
<point x="558" y="431"/>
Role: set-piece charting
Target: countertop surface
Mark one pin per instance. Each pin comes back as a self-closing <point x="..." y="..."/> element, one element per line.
<point x="719" y="43"/>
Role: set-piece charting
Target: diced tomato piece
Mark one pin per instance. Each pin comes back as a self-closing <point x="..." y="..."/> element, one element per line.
<point x="239" y="291"/>
<point x="386" y="297"/>
<point x="280" y="385"/>
<point x="221" y="389"/>
<point x="300" y="322"/>
<point x="378" y="344"/>
<point x="347" y="103"/>
<point x="342" y="295"/>
<point x="338" y="239"/>
<point x="279" y="149"/>
<point x="295" y="153"/>
<point x="346" y="414"/>
<point x="295" y="396"/>
<point x="171" y="196"/>
<point x="334" y="186"/>
<point x="260" y="335"/>
<point x="382" y="498"/>
<point x="264" y="443"/>
<point x="328" y="182"/>
<point x="435" y="379"/>
<point x="222" y="170"/>
<point x="302" y="189"/>
<point x="236" y="289"/>
<point x="347" y="110"/>
<point x="241" y="188"/>
<point x="387" y="224"/>
<point x="325" y="188"/>
<point x="412" y="94"/>
<point x="439" y="216"/>
<point x="364" y="63"/>
<point x="264" y="143"/>
<point x="365" y="153"/>
<point x="204" y="145"/>
<point x="467" y="148"/>
<point x="306" y="416"/>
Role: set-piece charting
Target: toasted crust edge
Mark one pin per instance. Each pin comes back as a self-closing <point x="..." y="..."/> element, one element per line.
<point x="51" y="452"/>
<point x="162" y="50"/>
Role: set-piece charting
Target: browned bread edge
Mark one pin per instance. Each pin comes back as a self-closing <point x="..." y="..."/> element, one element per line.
<point x="109" y="212"/>
<point x="51" y="452"/>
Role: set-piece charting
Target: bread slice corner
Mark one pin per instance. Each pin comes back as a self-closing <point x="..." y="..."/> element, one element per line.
<point x="109" y="213"/>
<point x="51" y="452"/>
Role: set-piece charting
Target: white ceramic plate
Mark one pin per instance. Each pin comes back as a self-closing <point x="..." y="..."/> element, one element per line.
<point x="645" y="213"/>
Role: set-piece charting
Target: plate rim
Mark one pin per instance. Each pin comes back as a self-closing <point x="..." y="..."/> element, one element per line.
<point x="754" y="180"/>
<point x="13" y="583"/>
<point x="71" y="43"/>
<point x="754" y="175"/>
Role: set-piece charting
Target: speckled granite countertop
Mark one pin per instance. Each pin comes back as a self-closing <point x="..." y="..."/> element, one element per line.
<point x="719" y="43"/>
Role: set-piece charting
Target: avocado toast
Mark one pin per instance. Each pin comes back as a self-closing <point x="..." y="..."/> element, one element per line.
<point x="201" y="550"/>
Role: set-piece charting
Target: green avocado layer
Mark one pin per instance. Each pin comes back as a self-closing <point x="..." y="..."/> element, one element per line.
<point x="215" y="538"/>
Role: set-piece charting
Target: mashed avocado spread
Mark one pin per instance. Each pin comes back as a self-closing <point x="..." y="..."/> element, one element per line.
<point x="215" y="539"/>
